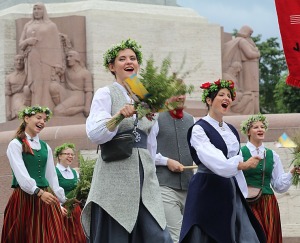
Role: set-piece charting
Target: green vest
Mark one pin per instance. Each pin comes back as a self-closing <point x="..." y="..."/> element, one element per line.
<point x="67" y="184"/>
<point x="254" y="176"/>
<point x="35" y="165"/>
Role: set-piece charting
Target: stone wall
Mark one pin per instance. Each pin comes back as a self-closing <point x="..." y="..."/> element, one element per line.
<point x="161" y="30"/>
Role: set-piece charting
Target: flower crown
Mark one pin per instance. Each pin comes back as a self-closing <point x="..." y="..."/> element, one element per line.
<point x="112" y="52"/>
<point x="32" y="110"/>
<point x="209" y="88"/>
<point x="62" y="147"/>
<point x="246" y="125"/>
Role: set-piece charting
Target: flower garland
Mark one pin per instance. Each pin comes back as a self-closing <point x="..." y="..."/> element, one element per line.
<point x="32" y="110"/>
<point x="209" y="88"/>
<point x="112" y="52"/>
<point x="62" y="147"/>
<point x="245" y="126"/>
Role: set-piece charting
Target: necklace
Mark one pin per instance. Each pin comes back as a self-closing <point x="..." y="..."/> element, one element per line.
<point x="221" y="126"/>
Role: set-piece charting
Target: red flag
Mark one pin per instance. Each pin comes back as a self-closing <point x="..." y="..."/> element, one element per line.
<point x="288" y="13"/>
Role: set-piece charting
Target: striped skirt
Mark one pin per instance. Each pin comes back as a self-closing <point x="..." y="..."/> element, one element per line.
<point x="74" y="228"/>
<point x="266" y="210"/>
<point x="28" y="219"/>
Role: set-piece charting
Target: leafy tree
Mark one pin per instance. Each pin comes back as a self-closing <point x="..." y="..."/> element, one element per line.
<point x="287" y="98"/>
<point x="272" y="65"/>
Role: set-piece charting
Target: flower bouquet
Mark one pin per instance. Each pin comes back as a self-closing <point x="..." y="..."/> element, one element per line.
<point x="296" y="159"/>
<point x="152" y="89"/>
<point x="80" y="193"/>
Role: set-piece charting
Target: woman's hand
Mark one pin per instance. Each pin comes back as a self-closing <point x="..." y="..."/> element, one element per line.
<point x="64" y="211"/>
<point x="127" y="110"/>
<point x="251" y="163"/>
<point x="47" y="197"/>
<point x="295" y="169"/>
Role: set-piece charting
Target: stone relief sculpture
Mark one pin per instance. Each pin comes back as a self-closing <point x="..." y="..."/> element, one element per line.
<point x="40" y="43"/>
<point x="14" y="85"/>
<point x="243" y="50"/>
<point x="53" y="74"/>
<point x="72" y="93"/>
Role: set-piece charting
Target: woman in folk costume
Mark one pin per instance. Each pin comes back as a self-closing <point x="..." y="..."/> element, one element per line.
<point x="124" y="203"/>
<point x="33" y="212"/>
<point x="68" y="178"/>
<point x="216" y="210"/>
<point x="266" y="209"/>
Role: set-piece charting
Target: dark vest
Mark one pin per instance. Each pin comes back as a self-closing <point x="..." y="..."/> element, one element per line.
<point x="35" y="165"/>
<point x="172" y="143"/>
<point x="214" y="137"/>
<point x="67" y="184"/>
<point x="254" y="176"/>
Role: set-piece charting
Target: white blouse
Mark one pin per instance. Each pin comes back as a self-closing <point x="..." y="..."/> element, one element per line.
<point x="280" y="180"/>
<point x="214" y="158"/>
<point x="100" y="113"/>
<point x="28" y="184"/>
<point x="67" y="173"/>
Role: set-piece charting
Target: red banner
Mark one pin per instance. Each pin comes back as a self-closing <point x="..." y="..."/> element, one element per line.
<point x="288" y="13"/>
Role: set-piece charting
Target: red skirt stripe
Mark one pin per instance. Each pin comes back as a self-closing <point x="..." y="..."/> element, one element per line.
<point x="74" y="228"/>
<point x="28" y="219"/>
<point x="266" y="210"/>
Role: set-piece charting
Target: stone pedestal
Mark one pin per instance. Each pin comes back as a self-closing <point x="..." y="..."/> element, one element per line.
<point x="161" y="30"/>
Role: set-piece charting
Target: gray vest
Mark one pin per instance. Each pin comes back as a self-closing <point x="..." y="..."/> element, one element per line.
<point x="116" y="185"/>
<point x="172" y="143"/>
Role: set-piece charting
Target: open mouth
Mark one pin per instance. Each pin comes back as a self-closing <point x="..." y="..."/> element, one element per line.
<point x="40" y="126"/>
<point x="224" y="105"/>
<point x="129" y="69"/>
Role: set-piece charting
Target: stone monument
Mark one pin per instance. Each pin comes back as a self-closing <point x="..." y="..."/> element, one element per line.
<point x="240" y="61"/>
<point x="89" y="27"/>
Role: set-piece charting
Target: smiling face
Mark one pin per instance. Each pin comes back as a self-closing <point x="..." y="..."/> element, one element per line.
<point x="220" y="104"/>
<point x="256" y="133"/>
<point x="66" y="157"/>
<point x="35" y="123"/>
<point x="125" y="65"/>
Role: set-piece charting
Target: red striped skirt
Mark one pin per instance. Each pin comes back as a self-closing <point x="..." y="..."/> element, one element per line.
<point x="266" y="210"/>
<point x="74" y="228"/>
<point x="28" y="219"/>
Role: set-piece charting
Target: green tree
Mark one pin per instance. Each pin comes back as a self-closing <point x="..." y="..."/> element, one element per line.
<point x="287" y="98"/>
<point x="272" y="65"/>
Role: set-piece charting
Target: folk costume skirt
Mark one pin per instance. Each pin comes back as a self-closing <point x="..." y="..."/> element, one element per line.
<point x="217" y="212"/>
<point x="105" y="229"/>
<point x="28" y="219"/>
<point x="266" y="211"/>
<point x="73" y="226"/>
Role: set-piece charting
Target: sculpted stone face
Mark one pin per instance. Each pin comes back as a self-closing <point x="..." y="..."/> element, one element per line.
<point x="19" y="62"/>
<point x="38" y="11"/>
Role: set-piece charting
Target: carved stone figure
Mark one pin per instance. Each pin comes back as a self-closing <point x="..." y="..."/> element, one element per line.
<point x="243" y="49"/>
<point x="14" y="84"/>
<point x="73" y="94"/>
<point x="40" y="43"/>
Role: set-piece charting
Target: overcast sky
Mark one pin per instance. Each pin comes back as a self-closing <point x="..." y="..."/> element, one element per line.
<point x="260" y="15"/>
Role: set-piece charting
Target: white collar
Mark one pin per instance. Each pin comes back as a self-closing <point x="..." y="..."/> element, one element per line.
<point x="62" y="168"/>
<point x="253" y="148"/>
<point x="36" y="138"/>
